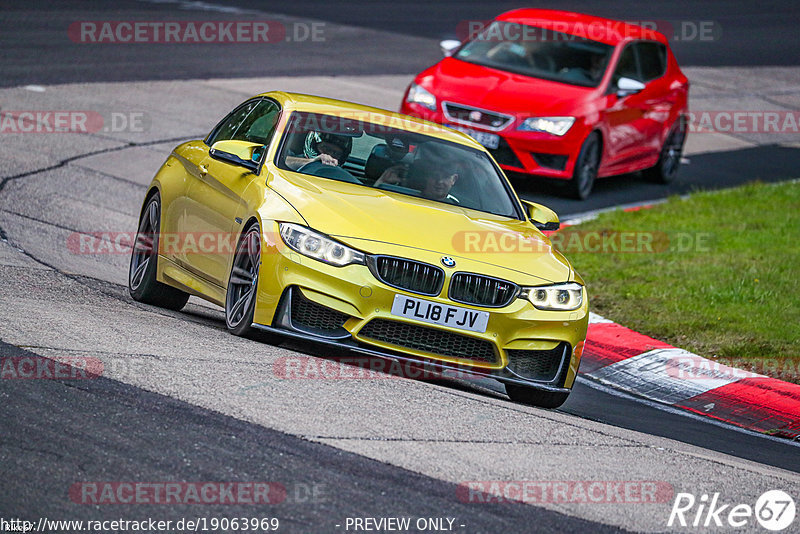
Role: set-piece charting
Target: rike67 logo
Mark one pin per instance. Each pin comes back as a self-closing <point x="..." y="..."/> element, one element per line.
<point x="774" y="510"/>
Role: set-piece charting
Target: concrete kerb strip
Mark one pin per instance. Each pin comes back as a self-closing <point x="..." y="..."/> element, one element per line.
<point x="626" y="360"/>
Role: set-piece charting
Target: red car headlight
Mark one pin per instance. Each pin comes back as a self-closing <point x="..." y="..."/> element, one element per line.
<point x="419" y="95"/>
<point x="552" y="125"/>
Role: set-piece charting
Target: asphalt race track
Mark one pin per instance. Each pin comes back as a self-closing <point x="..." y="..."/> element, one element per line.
<point x="181" y="400"/>
<point x="167" y="438"/>
<point x="33" y="36"/>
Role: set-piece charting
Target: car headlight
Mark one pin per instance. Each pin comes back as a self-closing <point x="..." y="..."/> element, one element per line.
<point x="552" y="125"/>
<point x="561" y="297"/>
<point x="419" y="95"/>
<point x="318" y="246"/>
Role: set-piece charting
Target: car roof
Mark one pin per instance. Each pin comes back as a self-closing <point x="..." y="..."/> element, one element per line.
<point x="350" y="110"/>
<point x="600" y="29"/>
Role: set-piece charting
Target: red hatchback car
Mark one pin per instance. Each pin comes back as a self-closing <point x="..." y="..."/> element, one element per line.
<point x="561" y="95"/>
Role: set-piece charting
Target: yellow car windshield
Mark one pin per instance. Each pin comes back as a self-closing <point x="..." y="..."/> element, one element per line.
<point x="394" y="160"/>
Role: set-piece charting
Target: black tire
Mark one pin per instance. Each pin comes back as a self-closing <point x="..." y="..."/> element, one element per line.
<point x="586" y="166"/>
<point x="240" y="299"/>
<point x="669" y="161"/>
<point x="535" y="397"/>
<point x="142" y="283"/>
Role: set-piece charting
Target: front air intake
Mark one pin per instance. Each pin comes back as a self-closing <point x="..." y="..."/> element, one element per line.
<point x="410" y="275"/>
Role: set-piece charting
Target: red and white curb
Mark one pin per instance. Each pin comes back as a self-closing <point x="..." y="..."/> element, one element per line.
<point x="626" y="360"/>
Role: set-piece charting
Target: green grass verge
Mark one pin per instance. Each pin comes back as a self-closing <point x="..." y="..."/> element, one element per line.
<point x="723" y="280"/>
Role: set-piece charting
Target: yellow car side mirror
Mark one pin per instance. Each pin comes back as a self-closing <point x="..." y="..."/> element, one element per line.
<point x="242" y="153"/>
<point x="541" y="216"/>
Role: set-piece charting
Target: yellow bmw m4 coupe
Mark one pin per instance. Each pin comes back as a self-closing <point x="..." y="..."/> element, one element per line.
<point x="369" y="230"/>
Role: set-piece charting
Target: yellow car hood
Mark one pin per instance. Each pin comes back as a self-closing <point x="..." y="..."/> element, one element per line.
<point x="368" y="219"/>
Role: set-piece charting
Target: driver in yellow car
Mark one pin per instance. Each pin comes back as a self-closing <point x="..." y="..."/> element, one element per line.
<point x="327" y="148"/>
<point x="438" y="186"/>
<point x="437" y="179"/>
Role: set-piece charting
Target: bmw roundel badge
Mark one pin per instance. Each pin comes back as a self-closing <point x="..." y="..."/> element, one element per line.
<point x="447" y="261"/>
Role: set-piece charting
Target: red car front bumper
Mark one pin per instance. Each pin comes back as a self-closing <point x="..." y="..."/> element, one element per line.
<point x="535" y="153"/>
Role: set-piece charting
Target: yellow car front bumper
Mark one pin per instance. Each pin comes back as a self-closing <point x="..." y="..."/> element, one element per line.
<point x="350" y="307"/>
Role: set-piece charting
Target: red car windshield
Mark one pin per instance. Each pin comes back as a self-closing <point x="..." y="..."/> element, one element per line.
<point x="539" y="53"/>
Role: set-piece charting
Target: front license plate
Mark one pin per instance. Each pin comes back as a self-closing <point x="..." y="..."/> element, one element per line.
<point x="489" y="140"/>
<point x="441" y="314"/>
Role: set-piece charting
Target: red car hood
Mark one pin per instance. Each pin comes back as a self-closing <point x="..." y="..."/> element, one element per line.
<point x="497" y="90"/>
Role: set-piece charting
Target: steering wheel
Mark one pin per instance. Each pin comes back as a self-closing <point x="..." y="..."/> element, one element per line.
<point x="317" y="168"/>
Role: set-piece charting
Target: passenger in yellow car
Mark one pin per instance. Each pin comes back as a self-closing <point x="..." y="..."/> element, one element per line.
<point x="392" y="161"/>
<point x="394" y="175"/>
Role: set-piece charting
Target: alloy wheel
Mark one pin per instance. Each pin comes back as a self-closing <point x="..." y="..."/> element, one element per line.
<point x="144" y="249"/>
<point x="244" y="278"/>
